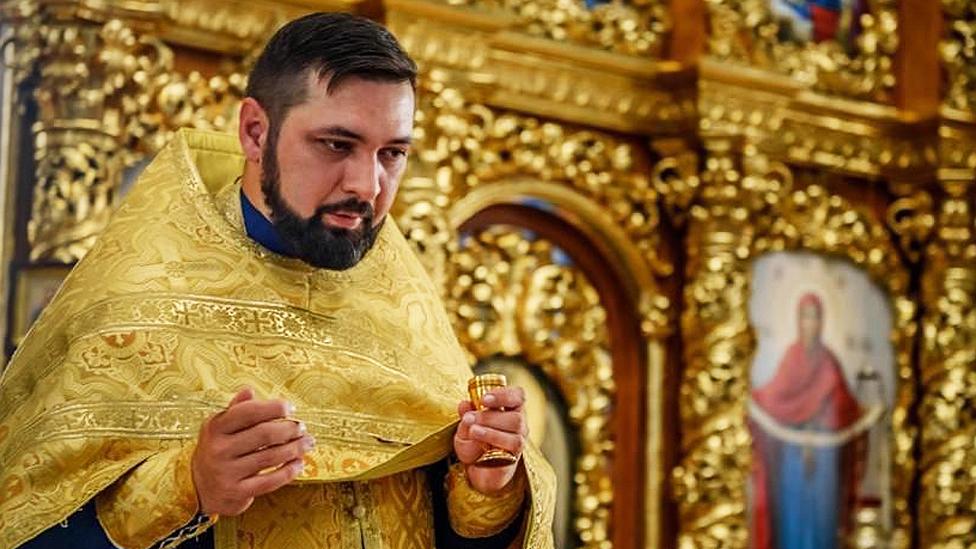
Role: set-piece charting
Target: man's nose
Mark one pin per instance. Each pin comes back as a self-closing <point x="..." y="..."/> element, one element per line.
<point x="363" y="180"/>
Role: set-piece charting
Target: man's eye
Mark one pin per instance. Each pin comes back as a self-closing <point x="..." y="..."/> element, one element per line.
<point x="394" y="154"/>
<point x="336" y="146"/>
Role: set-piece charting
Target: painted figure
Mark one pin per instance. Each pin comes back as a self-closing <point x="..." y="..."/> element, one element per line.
<point x="820" y="20"/>
<point x="804" y="481"/>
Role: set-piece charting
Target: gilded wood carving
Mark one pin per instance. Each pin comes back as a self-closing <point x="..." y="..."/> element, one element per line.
<point x="744" y="210"/>
<point x="637" y="27"/>
<point x="500" y="286"/>
<point x="958" y="50"/>
<point x="509" y="66"/>
<point x="749" y="33"/>
<point x="511" y="297"/>
<point x="108" y="97"/>
<point x="948" y="400"/>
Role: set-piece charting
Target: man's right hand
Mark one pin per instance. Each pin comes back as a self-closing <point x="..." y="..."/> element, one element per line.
<point x="236" y="445"/>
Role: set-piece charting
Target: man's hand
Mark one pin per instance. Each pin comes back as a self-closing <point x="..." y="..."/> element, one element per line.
<point x="234" y="448"/>
<point x="502" y="425"/>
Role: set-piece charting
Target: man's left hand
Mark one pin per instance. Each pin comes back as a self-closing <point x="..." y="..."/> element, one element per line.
<point x="501" y="425"/>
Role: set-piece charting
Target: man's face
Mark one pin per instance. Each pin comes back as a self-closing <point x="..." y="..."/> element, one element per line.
<point x="332" y="173"/>
<point x="809" y="324"/>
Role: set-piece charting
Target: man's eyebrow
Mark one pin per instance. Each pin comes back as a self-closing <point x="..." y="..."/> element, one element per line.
<point x="340" y="131"/>
<point x="401" y="141"/>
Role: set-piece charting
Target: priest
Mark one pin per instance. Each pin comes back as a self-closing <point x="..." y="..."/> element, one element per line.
<point x="251" y="356"/>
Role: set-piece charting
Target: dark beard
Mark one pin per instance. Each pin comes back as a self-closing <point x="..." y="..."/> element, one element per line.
<point x="310" y="239"/>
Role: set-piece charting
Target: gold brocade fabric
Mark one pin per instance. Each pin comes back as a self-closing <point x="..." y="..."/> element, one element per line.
<point x="175" y="309"/>
<point x="150" y="501"/>
<point x="476" y="515"/>
<point x="392" y="512"/>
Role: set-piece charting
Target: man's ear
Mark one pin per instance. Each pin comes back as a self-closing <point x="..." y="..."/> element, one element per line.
<point x="253" y="129"/>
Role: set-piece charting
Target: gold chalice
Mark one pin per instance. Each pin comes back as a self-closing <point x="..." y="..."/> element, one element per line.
<point x="478" y="387"/>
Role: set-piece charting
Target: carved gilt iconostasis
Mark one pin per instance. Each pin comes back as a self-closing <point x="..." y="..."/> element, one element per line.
<point x="641" y="211"/>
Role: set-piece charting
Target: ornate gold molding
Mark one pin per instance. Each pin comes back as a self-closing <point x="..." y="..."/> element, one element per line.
<point x="84" y="73"/>
<point x="958" y="50"/>
<point x="948" y="452"/>
<point x="957" y="145"/>
<point x="747" y="208"/>
<point x="107" y="98"/>
<point x="502" y="65"/>
<point x="235" y="27"/>
<point x="471" y="156"/>
<point x="911" y="217"/>
<point x="745" y="32"/>
<point x="795" y="126"/>
<point x="637" y="27"/>
<point x="223" y="26"/>
<point x="710" y="480"/>
<point x="465" y="145"/>
<point x="512" y="297"/>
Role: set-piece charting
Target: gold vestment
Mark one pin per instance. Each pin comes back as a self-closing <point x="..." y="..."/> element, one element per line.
<point x="175" y="309"/>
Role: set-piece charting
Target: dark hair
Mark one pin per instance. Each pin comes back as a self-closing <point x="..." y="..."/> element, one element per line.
<point x="333" y="45"/>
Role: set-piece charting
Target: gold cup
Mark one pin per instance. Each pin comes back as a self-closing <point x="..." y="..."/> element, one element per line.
<point x="478" y="387"/>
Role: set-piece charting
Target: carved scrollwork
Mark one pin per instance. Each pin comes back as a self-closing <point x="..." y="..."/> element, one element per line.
<point x="517" y="296"/>
<point x="958" y="50"/>
<point x="912" y="218"/>
<point x="174" y="101"/>
<point x="468" y="145"/>
<point x="709" y="482"/>
<point x="212" y="24"/>
<point x="107" y="98"/>
<point x="508" y="292"/>
<point x="637" y="27"/>
<point x="88" y="76"/>
<point x="749" y="207"/>
<point x="947" y="517"/>
<point x="746" y="31"/>
<point x="676" y="177"/>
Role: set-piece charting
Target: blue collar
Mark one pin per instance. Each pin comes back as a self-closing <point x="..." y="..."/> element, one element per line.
<point x="261" y="230"/>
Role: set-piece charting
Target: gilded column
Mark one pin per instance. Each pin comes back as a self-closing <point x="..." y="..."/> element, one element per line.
<point x="710" y="478"/>
<point x="86" y="63"/>
<point x="947" y="411"/>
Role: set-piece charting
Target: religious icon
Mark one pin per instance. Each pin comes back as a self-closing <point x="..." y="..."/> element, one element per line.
<point x="818" y="400"/>
<point x="819" y="20"/>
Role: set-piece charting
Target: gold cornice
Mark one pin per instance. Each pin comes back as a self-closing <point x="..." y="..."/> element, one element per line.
<point x="738" y="75"/>
<point x="636" y="28"/>
<point x="957" y="145"/>
<point x="139" y="14"/>
<point x="235" y="26"/>
<point x="479" y="20"/>
<point x="623" y="65"/>
<point x="955" y="116"/>
<point x="794" y="124"/>
<point x="579" y="95"/>
<point x="219" y="26"/>
<point x="500" y="65"/>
